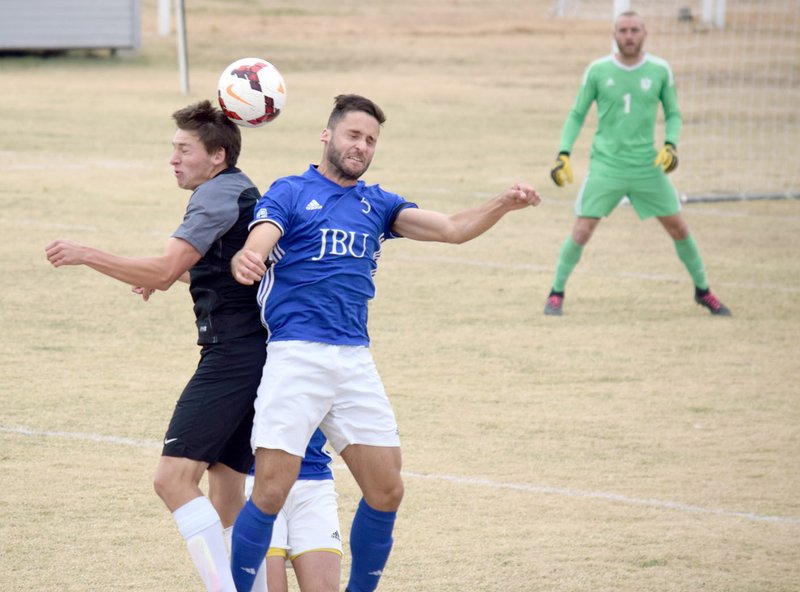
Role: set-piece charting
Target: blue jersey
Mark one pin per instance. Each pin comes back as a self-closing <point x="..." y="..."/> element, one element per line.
<point x="321" y="277"/>
<point x="316" y="463"/>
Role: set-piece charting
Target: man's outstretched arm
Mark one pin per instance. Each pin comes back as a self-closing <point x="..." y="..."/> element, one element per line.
<point x="157" y="273"/>
<point x="428" y="225"/>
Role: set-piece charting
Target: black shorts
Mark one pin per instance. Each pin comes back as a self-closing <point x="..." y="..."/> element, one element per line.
<point x="213" y="417"/>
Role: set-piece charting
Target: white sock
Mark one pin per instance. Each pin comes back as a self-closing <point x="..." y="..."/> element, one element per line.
<point x="260" y="583"/>
<point x="200" y="526"/>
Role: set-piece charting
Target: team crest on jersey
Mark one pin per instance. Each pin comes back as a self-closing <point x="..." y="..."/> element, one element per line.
<point x="261" y="213"/>
<point x="646" y="83"/>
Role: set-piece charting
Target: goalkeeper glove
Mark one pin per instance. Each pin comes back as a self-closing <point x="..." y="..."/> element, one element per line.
<point x="667" y="159"/>
<point x="562" y="171"/>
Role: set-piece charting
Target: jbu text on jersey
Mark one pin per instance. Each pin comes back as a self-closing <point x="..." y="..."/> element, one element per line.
<point x="338" y="243"/>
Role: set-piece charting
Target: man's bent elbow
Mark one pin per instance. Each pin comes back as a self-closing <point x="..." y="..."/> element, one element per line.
<point x="164" y="281"/>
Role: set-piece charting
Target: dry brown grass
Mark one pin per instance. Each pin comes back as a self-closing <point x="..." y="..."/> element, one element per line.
<point x="634" y="445"/>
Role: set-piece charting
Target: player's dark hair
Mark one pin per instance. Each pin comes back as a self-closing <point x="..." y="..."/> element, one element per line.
<point x="213" y="128"/>
<point x="344" y="104"/>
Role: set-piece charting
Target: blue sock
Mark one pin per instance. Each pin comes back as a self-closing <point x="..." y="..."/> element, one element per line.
<point x="370" y="545"/>
<point x="252" y="532"/>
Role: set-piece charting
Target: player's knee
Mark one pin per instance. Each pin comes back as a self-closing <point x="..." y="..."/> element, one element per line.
<point x="679" y="232"/>
<point x="583" y="230"/>
<point x="269" y="496"/>
<point x="164" y="486"/>
<point x="386" y="498"/>
<point x="395" y="496"/>
<point x="227" y="503"/>
<point x="170" y="485"/>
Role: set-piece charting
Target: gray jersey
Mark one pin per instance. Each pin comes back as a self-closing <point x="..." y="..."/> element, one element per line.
<point x="215" y="223"/>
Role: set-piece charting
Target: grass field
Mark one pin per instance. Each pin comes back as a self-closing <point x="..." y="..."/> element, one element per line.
<point x="634" y="445"/>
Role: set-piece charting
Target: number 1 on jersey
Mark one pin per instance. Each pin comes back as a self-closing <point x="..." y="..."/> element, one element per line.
<point x="626" y="98"/>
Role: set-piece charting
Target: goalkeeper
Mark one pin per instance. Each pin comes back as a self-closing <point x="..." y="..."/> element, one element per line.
<point x="627" y="87"/>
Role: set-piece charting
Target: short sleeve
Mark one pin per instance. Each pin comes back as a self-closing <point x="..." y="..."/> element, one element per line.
<point x="208" y="216"/>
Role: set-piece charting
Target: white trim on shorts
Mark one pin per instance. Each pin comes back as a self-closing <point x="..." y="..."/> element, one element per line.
<point x="337" y="388"/>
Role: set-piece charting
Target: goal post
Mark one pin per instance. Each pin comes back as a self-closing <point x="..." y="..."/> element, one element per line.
<point x="737" y="71"/>
<point x="714" y="13"/>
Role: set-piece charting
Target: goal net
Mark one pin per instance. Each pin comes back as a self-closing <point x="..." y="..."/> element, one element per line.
<point x="737" y="71"/>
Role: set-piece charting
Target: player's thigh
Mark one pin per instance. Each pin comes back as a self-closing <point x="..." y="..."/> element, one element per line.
<point x="599" y="195"/>
<point x="654" y="196"/>
<point x="277" y="580"/>
<point x="318" y="571"/>
<point x="376" y="469"/>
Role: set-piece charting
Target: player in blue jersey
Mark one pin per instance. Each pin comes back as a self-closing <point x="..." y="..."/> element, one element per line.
<point x="323" y="232"/>
<point x="306" y="531"/>
<point x="627" y="87"/>
<point x="211" y="425"/>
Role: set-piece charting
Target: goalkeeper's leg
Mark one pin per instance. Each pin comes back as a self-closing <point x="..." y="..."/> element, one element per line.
<point x="572" y="249"/>
<point x="686" y="248"/>
<point x="568" y="257"/>
<point x="689" y="254"/>
<point x="597" y="198"/>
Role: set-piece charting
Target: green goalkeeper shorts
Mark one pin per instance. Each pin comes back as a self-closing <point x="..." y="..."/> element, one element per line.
<point x="650" y="196"/>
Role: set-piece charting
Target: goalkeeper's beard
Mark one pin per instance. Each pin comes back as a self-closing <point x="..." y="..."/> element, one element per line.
<point x="630" y="51"/>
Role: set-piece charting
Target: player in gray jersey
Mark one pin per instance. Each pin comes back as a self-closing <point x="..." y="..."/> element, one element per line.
<point x="627" y="87"/>
<point x="210" y="427"/>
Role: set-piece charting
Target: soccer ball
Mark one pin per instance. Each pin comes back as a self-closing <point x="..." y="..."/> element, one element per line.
<point x="251" y="92"/>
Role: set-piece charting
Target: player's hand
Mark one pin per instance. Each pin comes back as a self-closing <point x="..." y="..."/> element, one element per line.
<point x="247" y="267"/>
<point x="64" y="252"/>
<point x="145" y="293"/>
<point x="522" y="195"/>
<point x="562" y="171"/>
<point x="667" y="159"/>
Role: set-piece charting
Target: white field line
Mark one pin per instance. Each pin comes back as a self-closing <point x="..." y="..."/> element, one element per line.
<point x="134" y="442"/>
<point x="608" y="496"/>
<point x="486" y="483"/>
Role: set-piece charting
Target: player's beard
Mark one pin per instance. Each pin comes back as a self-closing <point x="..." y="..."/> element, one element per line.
<point x="337" y="160"/>
<point x="631" y="51"/>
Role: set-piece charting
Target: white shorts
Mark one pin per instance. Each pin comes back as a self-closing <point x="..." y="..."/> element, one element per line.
<point x="308" y="521"/>
<point x="306" y="385"/>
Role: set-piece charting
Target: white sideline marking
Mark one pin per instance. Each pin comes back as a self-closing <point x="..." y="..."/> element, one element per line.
<point x="609" y="496"/>
<point x="562" y="491"/>
<point x="82" y="436"/>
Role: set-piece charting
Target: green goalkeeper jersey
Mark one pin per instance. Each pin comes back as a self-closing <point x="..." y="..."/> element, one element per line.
<point x="627" y="106"/>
